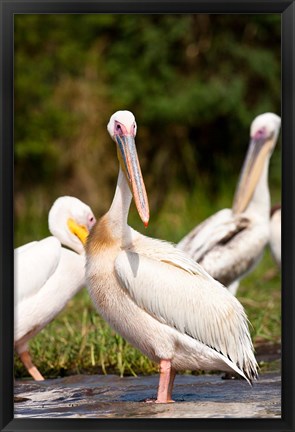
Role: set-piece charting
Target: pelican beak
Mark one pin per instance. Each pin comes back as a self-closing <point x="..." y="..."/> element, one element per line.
<point x="259" y="149"/>
<point x="127" y="156"/>
<point x="78" y="230"/>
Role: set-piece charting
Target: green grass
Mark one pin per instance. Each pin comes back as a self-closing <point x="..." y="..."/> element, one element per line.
<point x="79" y="341"/>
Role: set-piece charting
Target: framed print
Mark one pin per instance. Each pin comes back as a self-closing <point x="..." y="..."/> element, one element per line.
<point x="193" y="104"/>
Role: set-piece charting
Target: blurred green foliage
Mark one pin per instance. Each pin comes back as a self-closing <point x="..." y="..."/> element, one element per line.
<point x="194" y="83"/>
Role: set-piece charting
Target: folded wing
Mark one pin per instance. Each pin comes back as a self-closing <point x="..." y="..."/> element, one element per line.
<point x="193" y="304"/>
<point x="218" y="229"/>
<point x="34" y="264"/>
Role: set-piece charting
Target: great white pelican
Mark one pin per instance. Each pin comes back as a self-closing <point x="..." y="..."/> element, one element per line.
<point x="230" y="243"/>
<point x="47" y="275"/>
<point x="153" y="294"/>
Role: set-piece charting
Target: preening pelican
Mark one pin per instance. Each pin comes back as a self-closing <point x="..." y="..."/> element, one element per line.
<point x="231" y="242"/>
<point x="153" y="294"/>
<point x="48" y="275"/>
<point x="275" y="233"/>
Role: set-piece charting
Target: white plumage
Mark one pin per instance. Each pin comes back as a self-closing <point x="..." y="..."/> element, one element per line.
<point x="47" y="275"/>
<point x="153" y="294"/>
<point x="230" y="243"/>
<point x="275" y="234"/>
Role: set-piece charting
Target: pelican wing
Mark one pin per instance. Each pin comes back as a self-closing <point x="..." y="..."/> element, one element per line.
<point x="218" y="229"/>
<point x="25" y="247"/>
<point x="184" y="301"/>
<point x="164" y="251"/>
<point x="35" y="262"/>
<point x="34" y="312"/>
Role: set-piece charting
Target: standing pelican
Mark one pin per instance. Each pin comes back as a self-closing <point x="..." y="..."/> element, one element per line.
<point x="48" y="275"/>
<point x="153" y="294"/>
<point x="230" y="243"/>
<point x="275" y="233"/>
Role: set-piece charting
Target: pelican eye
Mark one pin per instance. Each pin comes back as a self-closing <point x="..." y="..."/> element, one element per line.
<point x="260" y="134"/>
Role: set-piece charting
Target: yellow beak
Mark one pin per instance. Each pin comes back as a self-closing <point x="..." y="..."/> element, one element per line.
<point x="78" y="230"/>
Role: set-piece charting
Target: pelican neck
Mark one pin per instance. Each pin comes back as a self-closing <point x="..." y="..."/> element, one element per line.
<point x="119" y="210"/>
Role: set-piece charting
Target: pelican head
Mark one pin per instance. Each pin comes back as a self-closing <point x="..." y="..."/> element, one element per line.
<point x="122" y="129"/>
<point x="70" y="220"/>
<point x="264" y="133"/>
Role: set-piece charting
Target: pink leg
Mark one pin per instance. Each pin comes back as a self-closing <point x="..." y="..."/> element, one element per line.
<point x="167" y="375"/>
<point x="171" y="382"/>
<point x="31" y="368"/>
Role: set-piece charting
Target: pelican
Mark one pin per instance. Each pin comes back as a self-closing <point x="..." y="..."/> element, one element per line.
<point x="275" y="233"/>
<point x="47" y="275"/>
<point x="230" y="243"/>
<point x="153" y="294"/>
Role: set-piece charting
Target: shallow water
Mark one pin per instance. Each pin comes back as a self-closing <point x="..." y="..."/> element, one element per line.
<point x="98" y="396"/>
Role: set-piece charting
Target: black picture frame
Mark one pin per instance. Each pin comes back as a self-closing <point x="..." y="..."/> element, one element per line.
<point x="11" y="7"/>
